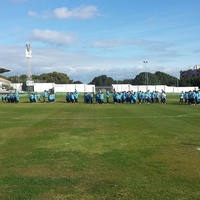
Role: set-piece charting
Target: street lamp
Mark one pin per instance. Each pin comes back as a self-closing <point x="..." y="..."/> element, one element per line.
<point x="146" y="73"/>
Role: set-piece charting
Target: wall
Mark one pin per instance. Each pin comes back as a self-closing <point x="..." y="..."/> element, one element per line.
<point x="136" y="88"/>
<point x="40" y="87"/>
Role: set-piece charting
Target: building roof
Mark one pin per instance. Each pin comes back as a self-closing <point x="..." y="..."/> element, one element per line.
<point x="3" y="70"/>
<point x="6" y="82"/>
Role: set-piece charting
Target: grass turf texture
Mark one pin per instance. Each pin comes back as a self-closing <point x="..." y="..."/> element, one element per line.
<point x="90" y="151"/>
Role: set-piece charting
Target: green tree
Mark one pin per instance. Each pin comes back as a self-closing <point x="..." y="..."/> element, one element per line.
<point x="102" y="80"/>
<point x="56" y="77"/>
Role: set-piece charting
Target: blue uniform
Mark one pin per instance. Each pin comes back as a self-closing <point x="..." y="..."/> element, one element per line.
<point x="107" y="96"/>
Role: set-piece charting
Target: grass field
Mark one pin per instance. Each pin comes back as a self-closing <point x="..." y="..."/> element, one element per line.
<point x="90" y="151"/>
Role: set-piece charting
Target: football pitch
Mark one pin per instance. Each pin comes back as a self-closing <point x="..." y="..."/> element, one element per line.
<point x="89" y="151"/>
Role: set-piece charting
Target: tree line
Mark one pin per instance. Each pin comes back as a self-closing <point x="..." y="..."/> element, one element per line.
<point x="157" y="78"/>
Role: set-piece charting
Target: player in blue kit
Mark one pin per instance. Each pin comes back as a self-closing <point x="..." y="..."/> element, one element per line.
<point x="181" y="96"/>
<point x="107" y="96"/>
<point x="45" y="95"/>
<point x="76" y="96"/>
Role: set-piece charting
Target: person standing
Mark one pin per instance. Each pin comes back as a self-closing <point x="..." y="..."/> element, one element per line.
<point x="45" y="95"/>
<point x="181" y="95"/>
<point x="107" y="96"/>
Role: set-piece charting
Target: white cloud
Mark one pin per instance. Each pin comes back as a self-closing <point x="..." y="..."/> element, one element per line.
<point x="81" y="12"/>
<point x="80" y="65"/>
<point x="53" y="37"/>
<point x="108" y="43"/>
<point x="123" y="42"/>
<point x="32" y="14"/>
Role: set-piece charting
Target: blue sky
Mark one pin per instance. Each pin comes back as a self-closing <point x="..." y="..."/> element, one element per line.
<point x="89" y="38"/>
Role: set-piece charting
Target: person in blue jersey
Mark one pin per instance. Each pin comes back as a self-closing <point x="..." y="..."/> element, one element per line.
<point x="153" y="97"/>
<point x="127" y="97"/>
<point x="90" y="97"/>
<point x="85" y="97"/>
<point x="31" y="97"/>
<point x="181" y="97"/>
<point x="157" y="96"/>
<point x="118" y="97"/>
<point x="76" y="96"/>
<point x="12" y="99"/>
<point x="198" y="97"/>
<point x="186" y="97"/>
<point x="148" y="98"/>
<point x="133" y="97"/>
<point x="98" y="97"/>
<point x="107" y="96"/>
<point x="72" y="97"/>
<point x="163" y="97"/>
<point x="142" y="97"/>
<point x="114" y="97"/>
<point x="190" y="97"/>
<point x="3" y="97"/>
<point x="68" y="97"/>
<point x="8" y="97"/>
<point x="139" y="97"/>
<point x="16" y="96"/>
<point x="45" y="95"/>
<point x="123" y="97"/>
<point x="101" y="97"/>
<point x="37" y="97"/>
<point x="194" y="97"/>
<point x="51" y="97"/>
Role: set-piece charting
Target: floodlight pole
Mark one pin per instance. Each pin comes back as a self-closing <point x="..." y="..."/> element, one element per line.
<point x="146" y="74"/>
<point x="29" y="81"/>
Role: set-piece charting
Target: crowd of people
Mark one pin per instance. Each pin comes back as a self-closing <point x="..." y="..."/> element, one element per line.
<point x="72" y="97"/>
<point x="126" y="97"/>
<point x="190" y="97"/>
<point x="140" y="97"/>
<point x="11" y="97"/>
<point x="46" y="97"/>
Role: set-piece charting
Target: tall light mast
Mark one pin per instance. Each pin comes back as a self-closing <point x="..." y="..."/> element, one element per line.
<point x="29" y="81"/>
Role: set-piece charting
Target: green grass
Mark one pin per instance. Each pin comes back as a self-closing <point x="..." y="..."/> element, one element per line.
<point x="90" y="151"/>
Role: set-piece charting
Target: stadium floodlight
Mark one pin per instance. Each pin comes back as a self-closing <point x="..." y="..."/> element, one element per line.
<point x="29" y="81"/>
<point x="146" y="73"/>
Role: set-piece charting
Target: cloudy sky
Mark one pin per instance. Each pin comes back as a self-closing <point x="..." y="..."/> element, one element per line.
<point x="89" y="38"/>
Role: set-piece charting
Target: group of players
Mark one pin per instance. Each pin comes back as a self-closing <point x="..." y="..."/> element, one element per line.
<point x="190" y="97"/>
<point x="12" y="97"/>
<point x="139" y="97"/>
<point x="46" y="97"/>
<point x="72" y="97"/>
<point x="126" y="97"/>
